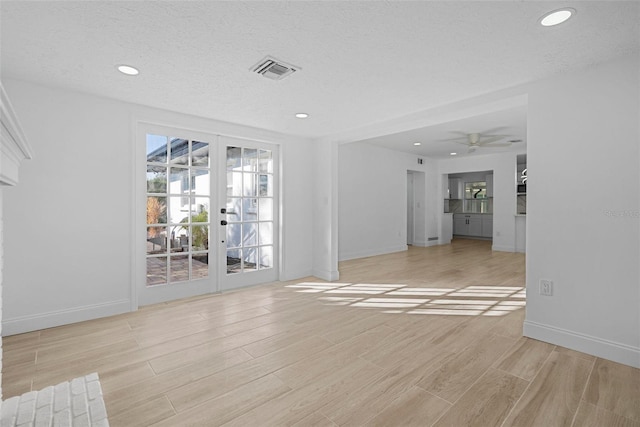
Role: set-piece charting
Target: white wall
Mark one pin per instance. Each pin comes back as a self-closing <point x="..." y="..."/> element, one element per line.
<point x="583" y="210"/>
<point x="323" y="162"/>
<point x="503" y="166"/>
<point x="1" y="268"/>
<point x="296" y="199"/>
<point x="61" y="268"/>
<point x="373" y="200"/>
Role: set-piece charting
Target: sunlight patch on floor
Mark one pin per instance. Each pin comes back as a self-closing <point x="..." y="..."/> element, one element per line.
<point x="472" y="300"/>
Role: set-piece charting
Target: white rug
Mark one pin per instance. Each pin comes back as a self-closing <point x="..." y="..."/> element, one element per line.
<point x="76" y="403"/>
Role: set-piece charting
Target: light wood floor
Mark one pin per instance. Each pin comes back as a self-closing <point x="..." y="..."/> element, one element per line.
<point x="431" y="336"/>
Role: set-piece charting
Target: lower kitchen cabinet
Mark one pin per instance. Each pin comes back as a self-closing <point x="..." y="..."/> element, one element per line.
<point x="460" y="226"/>
<point x="473" y="225"/>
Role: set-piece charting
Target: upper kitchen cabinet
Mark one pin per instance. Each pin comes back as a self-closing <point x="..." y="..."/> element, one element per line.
<point x="489" y="180"/>
<point x="455" y="188"/>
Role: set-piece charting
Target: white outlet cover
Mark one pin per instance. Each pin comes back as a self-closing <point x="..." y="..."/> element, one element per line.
<point x="546" y="287"/>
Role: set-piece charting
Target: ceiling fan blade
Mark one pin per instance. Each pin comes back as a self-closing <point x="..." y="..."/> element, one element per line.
<point x="493" y="139"/>
<point x="493" y="136"/>
<point x="502" y="144"/>
<point x="461" y="138"/>
<point x="463" y="142"/>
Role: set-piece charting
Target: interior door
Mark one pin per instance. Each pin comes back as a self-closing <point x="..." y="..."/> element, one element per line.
<point x="176" y="187"/>
<point x="249" y="214"/>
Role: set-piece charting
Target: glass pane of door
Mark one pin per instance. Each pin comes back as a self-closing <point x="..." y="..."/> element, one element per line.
<point x="178" y="194"/>
<point x="249" y="210"/>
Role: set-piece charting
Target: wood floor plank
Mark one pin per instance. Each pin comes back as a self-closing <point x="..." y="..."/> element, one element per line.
<point x="219" y="410"/>
<point x="416" y="407"/>
<point x="454" y="377"/>
<point x="123" y="376"/>
<point x="294" y="406"/>
<point x="369" y="400"/>
<point x="403" y="345"/>
<point x="315" y="419"/>
<point x="144" y="414"/>
<point x="276" y="342"/>
<point x="554" y="395"/>
<point x="311" y="368"/>
<point x="615" y="387"/>
<point x="525" y="358"/>
<point x="593" y="416"/>
<point x="193" y="354"/>
<point x="487" y="402"/>
<point x="196" y="392"/>
<point x="15" y="388"/>
<point x="119" y="399"/>
<point x="574" y="353"/>
<point x="510" y="325"/>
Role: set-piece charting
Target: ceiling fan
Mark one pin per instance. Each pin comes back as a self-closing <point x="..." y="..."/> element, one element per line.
<point x="481" y="139"/>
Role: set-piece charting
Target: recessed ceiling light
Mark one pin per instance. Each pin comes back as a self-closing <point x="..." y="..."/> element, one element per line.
<point x="556" y="17"/>
<point x="417" y="143"/>
<point x="453" y="154"/>
<point x="128" y="70"/>
<point x="302" y="115"/>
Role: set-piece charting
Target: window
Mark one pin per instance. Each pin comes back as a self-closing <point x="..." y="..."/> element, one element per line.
<point x="249" y="209"/>
<point x="178" y="201"/>
<point x="475" y="197"/>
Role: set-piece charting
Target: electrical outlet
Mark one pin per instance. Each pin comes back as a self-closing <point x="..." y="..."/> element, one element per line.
<point x="546" y="287"/>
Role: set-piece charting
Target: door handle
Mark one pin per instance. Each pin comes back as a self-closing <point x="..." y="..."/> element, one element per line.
<point x="223" y="222"/>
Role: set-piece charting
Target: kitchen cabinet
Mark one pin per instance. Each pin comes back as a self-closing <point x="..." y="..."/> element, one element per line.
<point x="473" y="225"/>
<point x="489" y="180"/>
<point x="460" y="226"/>
<point x="455" y="188"/>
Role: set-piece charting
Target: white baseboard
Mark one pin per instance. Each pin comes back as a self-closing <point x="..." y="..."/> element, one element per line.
<point x="503" y="248"/>
<point x="605" y="349"/>
<point x="424" y="244"/>
<point x="295" y="275"/>
<point x="372" y="252"/>
<point x="329" y="276"/>
<point x="36" y="322"/>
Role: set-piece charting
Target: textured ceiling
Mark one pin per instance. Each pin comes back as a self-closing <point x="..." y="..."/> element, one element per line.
<point x="361" y="62"/>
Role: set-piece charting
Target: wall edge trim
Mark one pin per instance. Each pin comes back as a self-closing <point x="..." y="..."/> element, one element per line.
<point x="19" y="325"/>
<point x="610" y="350"/>
<point x="373" y="252"/>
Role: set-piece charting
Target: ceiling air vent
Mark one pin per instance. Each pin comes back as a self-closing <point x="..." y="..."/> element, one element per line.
<point x="274" y="69"/>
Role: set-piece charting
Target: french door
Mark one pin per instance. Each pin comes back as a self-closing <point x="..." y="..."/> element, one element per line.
<point x="249" y="243"/>
<point x="206" y="213"/>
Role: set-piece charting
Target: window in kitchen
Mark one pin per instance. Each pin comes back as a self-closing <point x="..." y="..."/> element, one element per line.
<point x="475" y="197"/>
